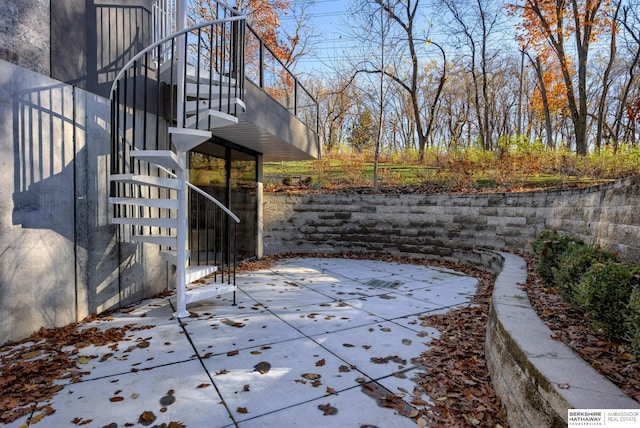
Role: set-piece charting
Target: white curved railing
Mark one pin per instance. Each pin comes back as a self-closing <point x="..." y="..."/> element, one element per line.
<point x="206" y="195"/>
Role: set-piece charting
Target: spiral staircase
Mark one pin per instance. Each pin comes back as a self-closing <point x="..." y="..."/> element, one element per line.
<point x="165" y="102"/>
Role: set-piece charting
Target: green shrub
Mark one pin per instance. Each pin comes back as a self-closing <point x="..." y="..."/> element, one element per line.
<point x="573" y="262"/>
<point x="633" y="322"/>
<point x="547" y="249"/>
<point x="606" y="291"/>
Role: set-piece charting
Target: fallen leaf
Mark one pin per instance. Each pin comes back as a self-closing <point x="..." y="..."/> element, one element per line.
<point x="311" y="376"/>
<point x="203" y="385"/>
<point x="242" y="410"/>
<point x="105" y="357"/>
<point x="146" y="418"/>
<point x="320" y="363"/>
<point x="167" y="400"/>
<point x="406" y="342"/>
<point x="327" y="409"/>
<point x="348" y="345"/>
<point x="83" y="360"/>
<point x="36" y="418"/>
<point x="116" y="399"/>
<point x="31" y="354"/>
<point x="256" y="352"/>
<point x="232" y="353"/>
<point x="262" y="367"/>
<point x="331" y="391"/>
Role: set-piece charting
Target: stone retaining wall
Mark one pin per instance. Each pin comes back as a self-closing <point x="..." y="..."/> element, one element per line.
<point x="439" y="225"/>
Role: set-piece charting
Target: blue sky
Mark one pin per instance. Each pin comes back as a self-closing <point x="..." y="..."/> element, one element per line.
<point x="328" y="18"/>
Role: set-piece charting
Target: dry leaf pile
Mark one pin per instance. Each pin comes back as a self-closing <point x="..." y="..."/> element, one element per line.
<point x="456" y="377"/>
<point x="30" y="368"/>
<point x="569" y="325"/>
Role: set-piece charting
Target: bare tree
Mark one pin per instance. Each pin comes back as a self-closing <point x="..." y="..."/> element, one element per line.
<point x="475" y="24"/>
<point x="630" y="21"/>
<point x="405" y="40"/>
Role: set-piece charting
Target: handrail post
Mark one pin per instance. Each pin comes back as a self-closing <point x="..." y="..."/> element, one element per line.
<point x="181" y="235"/>
<point x="181" y="21"/>
<point x="261" y="62"/>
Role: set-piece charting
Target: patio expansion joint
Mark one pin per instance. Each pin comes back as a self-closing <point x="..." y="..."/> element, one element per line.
<point x="204" y="367"/>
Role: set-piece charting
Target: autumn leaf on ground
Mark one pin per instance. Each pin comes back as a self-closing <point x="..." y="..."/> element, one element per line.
<point x="262" y="367"/>
<point x="167" y="400"/>
<point x="327" y="409"/>
<point x="242" y="410"/>
<point x="146" y="418"/>
<point x="311" y="376"/>
<point x="320" y="363"/>
<point x="331" y="391"/>
<point x="204" y="385"/>
<point x="36" y="418"/>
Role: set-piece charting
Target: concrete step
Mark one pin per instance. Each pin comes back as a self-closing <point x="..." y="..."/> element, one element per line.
<point x="165" y="240"/>
<point x="191" y="107"/>
<point x="194" y="273"/>
<point x="169" y="223"/>
<point x="164" y="158"/>
<point x="211" y="118"/>
<point x="171" y="256"/>
<point x="186" y="139"/>
<point x="147" y="180"/>
<point x="171" y="204"/>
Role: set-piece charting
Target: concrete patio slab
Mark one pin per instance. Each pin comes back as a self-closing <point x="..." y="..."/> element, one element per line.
<point x="311" y="342"/>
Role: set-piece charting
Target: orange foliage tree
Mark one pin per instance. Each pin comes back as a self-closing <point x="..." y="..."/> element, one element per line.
<point x="549" y="25"/>
<point x="262" y="15"/>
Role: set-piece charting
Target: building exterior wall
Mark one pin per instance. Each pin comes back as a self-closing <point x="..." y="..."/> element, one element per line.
<point x="25" y="34"/>
<point x="61" y="259"/>
<point x="92" y="40"/>
<point x="437" y="225"/>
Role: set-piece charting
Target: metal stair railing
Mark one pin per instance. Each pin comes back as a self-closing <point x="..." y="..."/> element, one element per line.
<point x="269" y="73"/>
<point x="219" y="244"/>
<point x="144" y="107"/>
<point x="262" y="65"/>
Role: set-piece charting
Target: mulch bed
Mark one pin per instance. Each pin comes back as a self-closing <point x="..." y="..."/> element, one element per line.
<point x="612" y="359"/>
